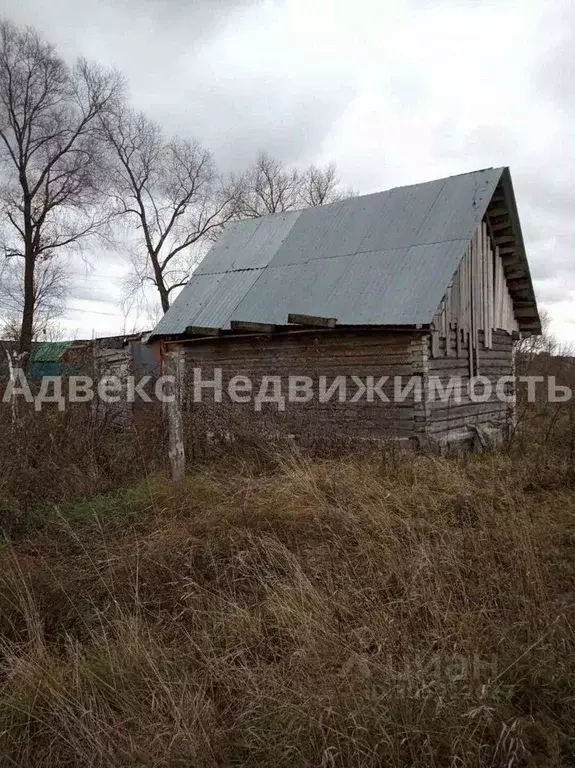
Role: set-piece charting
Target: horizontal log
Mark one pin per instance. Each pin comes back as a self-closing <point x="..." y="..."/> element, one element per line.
<point x="443" y="411"/>
<point x="512" y="273"/>
<point x="197" y="330"/>
<point x="241" y="325"/>
<point x="527" y="313"/>
<point x="498" y="226"/>
<point x="494" y="211"/>
<point x="321" y="322"/>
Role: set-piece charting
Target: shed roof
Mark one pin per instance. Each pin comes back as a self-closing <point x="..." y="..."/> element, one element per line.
<point x="49" y="351"/>
<point x="380" y="259"/>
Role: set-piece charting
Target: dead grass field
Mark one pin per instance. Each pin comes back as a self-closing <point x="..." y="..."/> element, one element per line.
<point x="367" y="611"/>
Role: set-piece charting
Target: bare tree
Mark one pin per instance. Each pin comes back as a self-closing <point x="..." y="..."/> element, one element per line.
<point x="51" y="288"/>
<point x="170" y="188"/>
<point x="320" y="186"/>
<point x="269" y="187"/>
<point x="50" y="155"/>
<point x="545" y="342"/>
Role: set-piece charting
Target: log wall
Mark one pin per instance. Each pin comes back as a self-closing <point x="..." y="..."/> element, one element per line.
<point x="333" y="354"/>
<point x="315" y="354"/>
<point x="452" y="363"/>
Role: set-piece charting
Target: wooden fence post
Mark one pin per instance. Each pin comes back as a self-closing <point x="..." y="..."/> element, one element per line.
<point x="173" y="364"/>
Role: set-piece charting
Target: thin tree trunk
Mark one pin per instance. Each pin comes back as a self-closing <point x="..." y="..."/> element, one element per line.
<point x="164" y="297"/>
<point x="160" y="284"/>
<point x="27" y="329"/>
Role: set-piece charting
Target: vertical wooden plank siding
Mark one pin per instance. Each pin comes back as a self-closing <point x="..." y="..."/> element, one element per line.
<point x="446" y="417"/>
<point x="477" y="300"/>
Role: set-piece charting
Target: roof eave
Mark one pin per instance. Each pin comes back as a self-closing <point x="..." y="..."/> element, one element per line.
<point x="227" y="333"/>
<point x="531" y="325"/>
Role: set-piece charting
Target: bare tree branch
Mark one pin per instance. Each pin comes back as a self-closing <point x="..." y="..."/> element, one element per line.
<point x="171" y="190"/>
<point x="51" y="287"/>
<point x="269" y="187"/>
<point x="51" y="156"/>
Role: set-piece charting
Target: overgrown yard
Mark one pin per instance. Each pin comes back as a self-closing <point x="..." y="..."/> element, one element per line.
<point x="367" y="611"/>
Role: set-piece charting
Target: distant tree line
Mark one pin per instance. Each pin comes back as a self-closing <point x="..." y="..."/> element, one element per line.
<point x="79" y="165"/>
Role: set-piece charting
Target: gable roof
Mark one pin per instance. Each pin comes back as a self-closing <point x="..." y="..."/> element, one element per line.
<point x="380" y="259"/>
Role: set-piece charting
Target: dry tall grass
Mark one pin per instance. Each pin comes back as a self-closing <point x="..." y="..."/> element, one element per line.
<point x="338" y="612"/>
<point x="53" y="456"/>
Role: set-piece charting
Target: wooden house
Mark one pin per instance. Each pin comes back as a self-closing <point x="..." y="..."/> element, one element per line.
<point x="428" y="282"/>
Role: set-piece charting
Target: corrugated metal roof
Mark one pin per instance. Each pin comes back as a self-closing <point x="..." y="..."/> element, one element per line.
<point x="49" y="351"/>
<point x="381" y="259"/>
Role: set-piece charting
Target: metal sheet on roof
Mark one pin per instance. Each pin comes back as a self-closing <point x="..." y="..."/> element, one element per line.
<point x="231" y="289"/>
<point x="406" y="210"/>
<point x="207" y="300"/>
<point x="398" y="288"/>
<point x="232" y="241"/>
<point x="185" y="307"/>
<point x="294" y="288"/>
<point x="250" y="244"/>
<point x="376" y="288"/>
<point x="49" y="351"/>
<point x="331" y="230"/>
<point x="459" y="207"/>
<point x="383" y="259"/>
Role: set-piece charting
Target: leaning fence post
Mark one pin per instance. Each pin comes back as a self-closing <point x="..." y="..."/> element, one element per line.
<point x="173" y="363"/>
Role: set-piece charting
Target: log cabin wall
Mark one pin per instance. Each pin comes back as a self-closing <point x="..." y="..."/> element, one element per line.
<point x="451" y="415"/>
<point x="314" y="354"/>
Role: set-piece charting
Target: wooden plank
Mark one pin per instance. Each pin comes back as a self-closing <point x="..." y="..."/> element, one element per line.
<point x="241" y="325"/>
<point x="447" y="411"/>
<point x="498" y="226"/>
<point x="530" y="326"/>
<point x="494" y="212"/>
<point x="173" y="366"/>
<point x="526" y="312"/>
<point x="483" y="277"/>
<point x="320" y="322"/>
<point x="490" y="294"/>
<point x="513" y="273"/>
<point x="199" y="330"/>
<point x="434" y="343"/>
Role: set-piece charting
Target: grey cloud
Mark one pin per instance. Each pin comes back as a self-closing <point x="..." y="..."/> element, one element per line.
<point x="483" y="144"/>
<point x="95" y="290"/>
<point x="555" y="76"/>
<point x="545" y="201"/>
<point x="238" y="119"/>
<point x="77" y="25"/>
<point x="179" y="77"/>
<point x="552" y="290"/>
<point x="186" y="67"/>
<point x="540" y="152"/>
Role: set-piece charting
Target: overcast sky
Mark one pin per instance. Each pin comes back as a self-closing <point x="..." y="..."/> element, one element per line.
<point x="394" y="92"/>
